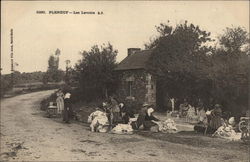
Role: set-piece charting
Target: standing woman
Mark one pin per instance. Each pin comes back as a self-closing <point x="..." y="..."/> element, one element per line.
<point x="67" y="107"/>
<point x="115" y="111"/>
<point x="60" y="102"/>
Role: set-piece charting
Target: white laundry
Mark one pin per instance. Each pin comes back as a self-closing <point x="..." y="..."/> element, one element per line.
<point x="99" y="121"/>
<point x="131" y="120"/>
<point x="191" y="113"/>
<point x="122" y="129"/>
<point x="167" y="126"/>
<point x="95" y="114"/>
<point x="227" y="132"/>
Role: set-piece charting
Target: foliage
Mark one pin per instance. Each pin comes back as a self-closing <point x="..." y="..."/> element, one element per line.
<point x="234" y="39"/>
<point x="45" y="102"/>
<point x="230" y="69"/>
<point x="53" y="74"/>
<point x="5" y="84"/>
<point x="179" y="60"/>
<point x="186" y="67"/>
<point x="19" y="79"/>
<point x="69" y="75"/>
<point x="94" y="72"/>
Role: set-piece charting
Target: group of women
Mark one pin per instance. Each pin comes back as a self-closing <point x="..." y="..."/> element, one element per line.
<point x="116" y="113"/>
<point x="119" y="113"/>
<point x="211" y="121"/>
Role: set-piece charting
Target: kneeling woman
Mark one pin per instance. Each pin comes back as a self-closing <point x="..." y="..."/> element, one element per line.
<point x="146" y="118"/>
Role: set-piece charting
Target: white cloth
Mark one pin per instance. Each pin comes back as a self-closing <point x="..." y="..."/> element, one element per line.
<point x="167" y="126"/>
<point x="202" y="115"/>
<point x="104" y="104"/>
<point x="95" y="114"/>
<point x="121" y="105"/>
<point x="122" y="129"/>
<point x="99" y="121"/>
<point x="172" y="104"/>
<point x="191" y="114"/>
<point x="208" y="112"/>
<point x="67" y="95"/>
<point x="231" y="121"/>
<point x="227" y="132"/>
<point x="131" y="120"/>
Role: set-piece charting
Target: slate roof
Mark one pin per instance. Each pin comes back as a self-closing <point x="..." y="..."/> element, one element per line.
<point x="135" y="61"/>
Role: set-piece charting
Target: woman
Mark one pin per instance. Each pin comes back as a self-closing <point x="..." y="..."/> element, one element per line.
<point x="184" y="108"/>
<point x="146" y="118"/>
<point x="202" y="115"/>
<point x="67" y="109"/>
<point x="142" y="115"/>
<point x="216" y="121"/>
<point x="126" y="114"/>
<point x="115" y="111"/>
<point x="60" y="102"/>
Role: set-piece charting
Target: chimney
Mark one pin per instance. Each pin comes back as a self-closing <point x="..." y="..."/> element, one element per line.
<point x="133" y="50"/>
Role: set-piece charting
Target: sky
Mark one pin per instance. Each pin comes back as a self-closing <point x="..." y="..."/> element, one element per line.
<point x="124" y="24"/>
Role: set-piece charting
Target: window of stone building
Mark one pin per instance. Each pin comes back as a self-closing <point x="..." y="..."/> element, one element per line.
<point x="129" y="88"/>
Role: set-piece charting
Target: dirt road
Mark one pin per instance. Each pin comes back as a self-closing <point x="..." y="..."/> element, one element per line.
<point x="27" y="135"/>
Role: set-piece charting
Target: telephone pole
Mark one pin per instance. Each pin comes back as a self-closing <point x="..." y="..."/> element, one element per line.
<point x="11" y="57"/>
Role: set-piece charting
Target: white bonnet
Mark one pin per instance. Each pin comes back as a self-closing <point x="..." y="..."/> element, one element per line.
<point x="67" y="95"/>
<point x="150" y="110"/>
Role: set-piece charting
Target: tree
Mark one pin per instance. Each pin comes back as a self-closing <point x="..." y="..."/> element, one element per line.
<point x="95" y="71"/>
<point x="233" y="39"/>
<point x="230" y="69"/>
<point x="53" y="73"/>
<point x="67" y="74"/>
<point x="180" y="61"/>
<point x="67" y="63"/>
<point x="5" y="84"/>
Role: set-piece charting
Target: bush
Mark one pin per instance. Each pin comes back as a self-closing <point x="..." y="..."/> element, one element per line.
<point x="45" y="102"/>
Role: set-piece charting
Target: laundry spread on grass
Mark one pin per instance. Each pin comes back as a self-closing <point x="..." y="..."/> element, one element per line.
<point x="116" y="118"/>
<point x="227" y="132"/>
<point x="122" y="129"/>
<point x="98" y="121"/>
<point x="167" y="126"/>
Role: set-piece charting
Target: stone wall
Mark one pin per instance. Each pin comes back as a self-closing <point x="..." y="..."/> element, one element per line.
<point x="151" y="90"/>
<point x="142" y="87"/>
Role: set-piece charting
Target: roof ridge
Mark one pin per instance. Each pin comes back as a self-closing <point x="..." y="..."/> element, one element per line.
<point x="135" y="61"/>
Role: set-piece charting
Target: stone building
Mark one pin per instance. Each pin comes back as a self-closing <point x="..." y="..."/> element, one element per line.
<point x="135" y="82"/>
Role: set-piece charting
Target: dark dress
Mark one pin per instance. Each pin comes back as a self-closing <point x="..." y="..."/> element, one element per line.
<point x="115" y="112"/>
<point x="147" y="124"/>
<point x="215" y="121"/>
<point x="67" y="110"/>
<point x="145" y="120"/>
<point x="141" y="117"/>
<point x="126" y="114"/>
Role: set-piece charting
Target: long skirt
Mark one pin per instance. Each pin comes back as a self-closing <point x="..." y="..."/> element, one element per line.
<point x="215" y="122"/>
<point x="202" y="129"/>
<point x="66" y="116"/>
<point x="60" y="105"/>
<point x="148" y="124"/>
<point x="140" y="120"/>
<point x="116" y="117"/>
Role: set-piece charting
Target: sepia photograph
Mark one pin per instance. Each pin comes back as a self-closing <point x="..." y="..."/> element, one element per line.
<point x="125" y="81"/>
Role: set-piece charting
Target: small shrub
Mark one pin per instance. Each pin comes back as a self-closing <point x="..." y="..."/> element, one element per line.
<point x="45" y="102"/>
